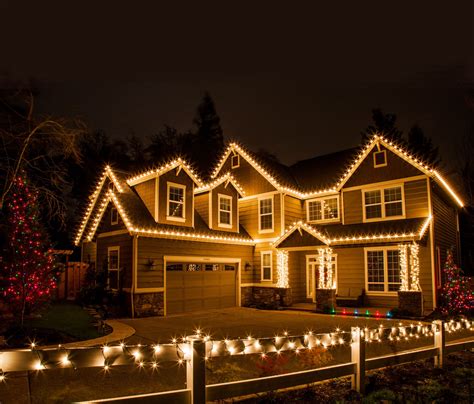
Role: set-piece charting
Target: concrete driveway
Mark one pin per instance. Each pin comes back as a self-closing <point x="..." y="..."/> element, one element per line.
<point x="241" y="322"/>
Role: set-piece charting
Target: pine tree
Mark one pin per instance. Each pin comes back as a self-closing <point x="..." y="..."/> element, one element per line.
<point x="29" y="268"/>
<point x="383" y="125"/>
<point x="457" y="296"/>
<point x="422" y="146"/>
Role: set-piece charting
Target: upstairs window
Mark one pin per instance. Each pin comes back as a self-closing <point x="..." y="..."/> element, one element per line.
<point x="266" y="264"/>
<point x="113" y="216"/>
<point x="383" y="203"/>
<point x="323" y="209"/>
<point x="265" y="220"/>
<point x="176" y="203"/>
<point x="225" y="211"/>
<point x="235" y="161"/>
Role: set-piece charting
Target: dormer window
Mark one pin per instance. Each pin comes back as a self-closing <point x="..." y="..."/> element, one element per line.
<point x="380" y="159"/>
<point x="323" y="209"/>
<point x="235" y="161"/>
<point x="113" y="216"/>
<point x="225" y="211"/>
<point x="175" y="202"/>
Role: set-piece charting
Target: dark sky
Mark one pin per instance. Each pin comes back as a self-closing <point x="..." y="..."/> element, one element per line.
<point x="299" y="80"/>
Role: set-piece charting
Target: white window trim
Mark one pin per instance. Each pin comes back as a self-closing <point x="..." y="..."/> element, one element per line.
<point x="262" y="253"/>
<point x="385" y="159"/>
<point x="385" y="271"/>
<point x="224" y="225"/>
<point x="168" y="216"/>
<point x="382" y="198"/>
<point x="337" y="219"/>
<point x="109" y="249"/>
<point x="112" y="210"/>
<point x="232" y="161"/>
<point x="271" y="230"/>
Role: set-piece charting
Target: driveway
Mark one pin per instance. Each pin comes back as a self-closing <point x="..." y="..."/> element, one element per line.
<point x="240" y="322"/>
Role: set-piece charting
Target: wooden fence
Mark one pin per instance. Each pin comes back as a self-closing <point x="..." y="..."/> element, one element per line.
<point x="195" y="350"/>
<point x="71" y="280"/>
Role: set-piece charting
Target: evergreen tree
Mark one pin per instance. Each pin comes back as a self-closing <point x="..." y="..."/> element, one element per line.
<point x="384" y="125"/>
<point x="29" y="268"/>
<point x="457" y="296"/>
<point x="208" y="142"/>
<point x="422" y="147"/>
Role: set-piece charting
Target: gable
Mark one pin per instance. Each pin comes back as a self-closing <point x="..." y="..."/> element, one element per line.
<point x="106" y="225"/>
<point x="246" y="175"/>
<point x="300" y="239"/>
<point x="396" y="168"/>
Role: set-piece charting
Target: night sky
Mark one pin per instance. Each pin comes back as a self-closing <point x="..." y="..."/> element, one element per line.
<point x="298" y="80"/>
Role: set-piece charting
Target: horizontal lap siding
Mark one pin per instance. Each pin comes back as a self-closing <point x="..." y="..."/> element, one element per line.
<point x="293" y="210"/>
<point x="156" y="249"/>
<point x="89" y="250"/>
<point x="124" y="241"/>
<point x="146" y="190"/>
<point x="352" y="206"/>
<point x="297" y="275"/>
<point x="426" y="279"/>
<point x="249" y="217"/>
<point x="416" y="199"/>
<point x="201" y="205"/>
<point x="106" y="225"/>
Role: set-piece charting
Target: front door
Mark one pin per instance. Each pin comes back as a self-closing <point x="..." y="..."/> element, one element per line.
<point x="312" y="267"/>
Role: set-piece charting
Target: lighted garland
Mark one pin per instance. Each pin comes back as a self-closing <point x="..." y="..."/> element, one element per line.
<point x="282" y="269"/>
<point x="414" y="267"/>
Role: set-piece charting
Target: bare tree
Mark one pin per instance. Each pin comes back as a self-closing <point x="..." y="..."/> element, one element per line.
<point x="39" y="146"/>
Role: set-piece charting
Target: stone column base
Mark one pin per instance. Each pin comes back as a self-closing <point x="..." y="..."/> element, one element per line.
<point x="410" y="302"/>
<point x="325" y="299"/>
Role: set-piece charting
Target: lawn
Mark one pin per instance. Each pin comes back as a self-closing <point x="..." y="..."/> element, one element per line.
<point x="61" y="322"/>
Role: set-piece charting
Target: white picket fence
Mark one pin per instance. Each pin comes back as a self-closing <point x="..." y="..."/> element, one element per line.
<point x="197" y="349"/>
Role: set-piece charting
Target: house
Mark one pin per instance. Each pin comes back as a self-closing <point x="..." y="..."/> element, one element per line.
<point x="373" y="219"/>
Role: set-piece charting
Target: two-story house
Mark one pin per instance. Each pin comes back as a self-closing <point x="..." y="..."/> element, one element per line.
<point x="258" y="232"/>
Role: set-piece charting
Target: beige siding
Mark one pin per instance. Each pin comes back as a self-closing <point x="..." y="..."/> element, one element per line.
<point x="106" y="225"/>
<point x="124" y="241"/>
<point x="250" y="179"/>
<point x="177" y="178"/>
<point x="146" y="190"/>
<point x="352" y="206"/>
<point x="293" y="210"/>
<point x="154" y="249"/>
<point x="229" y="191"/>
<point x="297" y="274"/>
<point x="396" y="168"/>
<point x="257" y="264"/>
<point x="249" y="217"/>
<point x="201" y="205"/>
<point x="416" y="199"/>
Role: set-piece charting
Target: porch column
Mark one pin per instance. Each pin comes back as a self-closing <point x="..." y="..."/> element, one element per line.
<point x="325" y="293"/>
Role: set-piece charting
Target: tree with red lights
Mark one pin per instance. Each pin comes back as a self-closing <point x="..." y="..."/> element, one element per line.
<point x="457" y="295"/>
<point x="29" y="268"/>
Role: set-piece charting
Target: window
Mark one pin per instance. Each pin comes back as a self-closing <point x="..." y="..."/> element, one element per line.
<point x="383" y="203"/>
<point x="383" y="270"/>
<point x="235" y="161"/>
<point x="266" y="263"/>
<point x="265" y="209"/>
<point x="323" y="209"/>
<point x="380" y="159"/>
<point x="113" y="216"/>
<point x="176" y="205"/>
<point x="113" y="259"/>
<point x="225" y="211"/>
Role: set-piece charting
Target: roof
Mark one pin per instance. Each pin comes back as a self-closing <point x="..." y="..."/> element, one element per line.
<point x="362" y="233"/>
<point x="328" y="167"/>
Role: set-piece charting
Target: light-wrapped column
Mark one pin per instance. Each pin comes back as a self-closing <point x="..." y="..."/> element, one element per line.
<point x="282" y="269"/>
<point x="322" y="264"/>
<point x="329" y="278"/>
<point x="414" y="267"/>
<point x="403" y="252"/>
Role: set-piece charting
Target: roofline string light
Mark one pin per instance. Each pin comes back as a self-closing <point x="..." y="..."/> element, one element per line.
<point x="365" y="150"/>
<point x="213" y="184"/>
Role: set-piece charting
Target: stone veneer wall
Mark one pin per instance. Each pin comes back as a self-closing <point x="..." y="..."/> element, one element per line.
<point x="411" y="303"/>
<point x="148" y="304"/>
<point x="265" y="296"/>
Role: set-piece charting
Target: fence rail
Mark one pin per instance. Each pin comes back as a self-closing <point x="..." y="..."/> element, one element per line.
<point x="195" y="350"/>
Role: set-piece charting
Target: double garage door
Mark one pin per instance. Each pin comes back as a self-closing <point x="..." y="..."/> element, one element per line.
<point x="200" y="284"/>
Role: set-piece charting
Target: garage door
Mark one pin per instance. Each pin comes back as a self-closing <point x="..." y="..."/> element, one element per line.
<point x="194" y="286"/>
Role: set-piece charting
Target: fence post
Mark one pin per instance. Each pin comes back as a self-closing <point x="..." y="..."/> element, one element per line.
<point x="439" y="342"/>
<point x="358" y="356"/>
<point x="196" y="370"/>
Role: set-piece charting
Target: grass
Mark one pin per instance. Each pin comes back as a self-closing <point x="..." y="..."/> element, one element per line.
<point x="68" y="318"/>
<point x="61" y="322"/>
